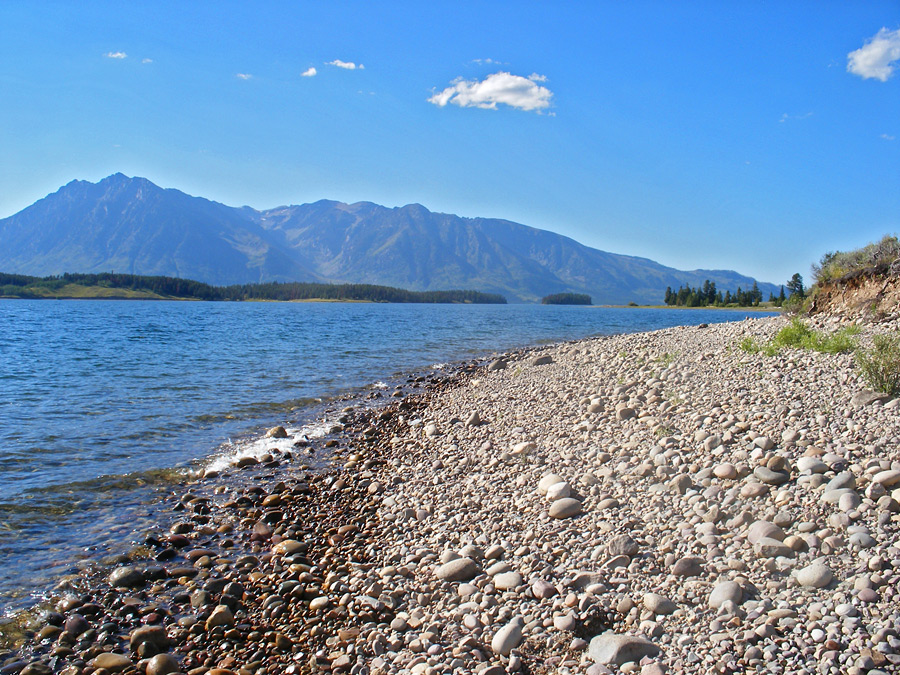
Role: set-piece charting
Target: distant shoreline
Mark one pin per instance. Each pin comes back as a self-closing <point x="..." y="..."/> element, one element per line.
<point x="177" y="299"/>
<point x="747" y="308"/>
<point x="138" y="287"/>
<point x="137" y="297"/>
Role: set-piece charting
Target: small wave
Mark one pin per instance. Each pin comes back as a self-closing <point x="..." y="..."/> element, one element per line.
<point x="380" y="385"/>
<point x="232" y="451"/>
<point x="439" y="366"/>
<point x="256" y="410"/>
<point x="67" y="498"/>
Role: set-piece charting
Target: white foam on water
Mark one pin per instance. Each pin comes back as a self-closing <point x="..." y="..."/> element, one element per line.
<point x="232" y="451"/>
<point x="380" y="385"/>
<point x="439" y="366"/>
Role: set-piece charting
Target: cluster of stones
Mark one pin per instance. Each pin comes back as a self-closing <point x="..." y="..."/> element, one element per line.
<point x="652" y="503"/>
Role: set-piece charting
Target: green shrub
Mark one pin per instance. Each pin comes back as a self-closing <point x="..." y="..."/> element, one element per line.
<point x="840" y="341"/>
<point x="880" y="365"/>
<point x="750" y="345"/>
<point x="795" y="304"/>
<point x="800" y="336"/>
<point x="797" y="335"/>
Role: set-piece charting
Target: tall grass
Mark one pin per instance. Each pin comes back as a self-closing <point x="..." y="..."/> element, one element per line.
<point x="880" y="365"/>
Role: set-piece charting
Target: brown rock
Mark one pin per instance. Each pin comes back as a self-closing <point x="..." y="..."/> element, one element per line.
<point x="162" y="664"/>
<point x="114" y="663"/>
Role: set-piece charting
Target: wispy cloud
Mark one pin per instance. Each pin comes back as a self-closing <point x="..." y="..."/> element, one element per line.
<point x="515" y="91"/>
<point x="346" y="65"/>
<point x="785" y="117"/>
<point x="243" y="76"/>
<point x="888" y="137"/>
<point x="146" y="60"/>
<point x="876" y="58"/>
<point x="309" y="72"/>
<point x="116" y="55"/>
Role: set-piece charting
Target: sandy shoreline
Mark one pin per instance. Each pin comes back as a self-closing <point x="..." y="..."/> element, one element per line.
<point x="700" y="498"/>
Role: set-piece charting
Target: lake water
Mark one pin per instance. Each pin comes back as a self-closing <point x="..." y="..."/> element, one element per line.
<point x="103" y="402"/>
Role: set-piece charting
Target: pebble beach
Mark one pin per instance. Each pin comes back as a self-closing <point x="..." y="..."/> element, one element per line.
<point x="649" y="503"/>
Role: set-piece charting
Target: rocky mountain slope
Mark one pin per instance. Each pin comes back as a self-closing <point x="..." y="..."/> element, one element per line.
<point x="130" y="225"/>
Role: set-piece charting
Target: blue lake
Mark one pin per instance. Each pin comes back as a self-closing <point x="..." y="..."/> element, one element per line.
<point x="101" y="400"/>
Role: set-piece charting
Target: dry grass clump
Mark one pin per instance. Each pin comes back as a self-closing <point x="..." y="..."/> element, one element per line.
<point x="878" y="256"/>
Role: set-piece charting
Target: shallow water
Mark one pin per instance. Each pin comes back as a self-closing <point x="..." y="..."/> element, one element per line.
<point x="103" y="402"/>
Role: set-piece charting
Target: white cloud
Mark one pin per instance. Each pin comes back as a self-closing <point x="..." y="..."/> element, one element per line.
<point x="146" y="60"/>
<point x="346" y="65"/>
<point x="876" y="58"/>
<point x="513" y="90"/>
<point x="785" y="117"/>
<point x="309" y="72"/>
<point x="115" y="55"/>
<point x="243" y="76"/>
<point x="888" y="137"/>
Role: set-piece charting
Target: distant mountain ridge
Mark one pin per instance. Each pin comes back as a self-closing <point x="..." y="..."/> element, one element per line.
<point x="132" y="226"/>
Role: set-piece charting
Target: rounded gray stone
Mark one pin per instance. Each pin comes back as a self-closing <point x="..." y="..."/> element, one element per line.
<point x="844" y="479"/>
<point x="726" y="591"/>
<point x="565" y="508"/>
<point x="688" y="567"/>
<point x="767" y="547"/>
<point x="508" y="638"/>
<point x="862" y="540"/>
<point x="770" y="477"/>
<point x="548" y="481"/>
<point x="461" y="569"/>
<point x="764" y="529"/>
<point x="614" y="649"/>
<point x="622" y="544"/>
<point x="816" y="575"/>
<point x="507" y="581"/>
<point x="543" y="589"/>
<point x="887" y="478"/>
<point x="659" y="604"/>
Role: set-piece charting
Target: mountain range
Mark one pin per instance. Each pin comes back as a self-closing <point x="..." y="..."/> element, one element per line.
<point x="130" y="225"/>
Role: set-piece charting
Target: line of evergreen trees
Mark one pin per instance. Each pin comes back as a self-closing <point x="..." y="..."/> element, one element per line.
<point x="708" y="294"/>
<point x="26" y="286"/>
<point x="566" y="299"/>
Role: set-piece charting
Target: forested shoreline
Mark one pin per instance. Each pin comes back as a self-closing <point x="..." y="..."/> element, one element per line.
<point x="137" y="286"/>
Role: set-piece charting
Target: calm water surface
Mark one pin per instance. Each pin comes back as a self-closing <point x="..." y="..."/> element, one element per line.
<point x="102" y="401"/>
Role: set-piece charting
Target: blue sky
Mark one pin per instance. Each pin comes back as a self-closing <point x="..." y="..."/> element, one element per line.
<point x="733" y="135"/>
